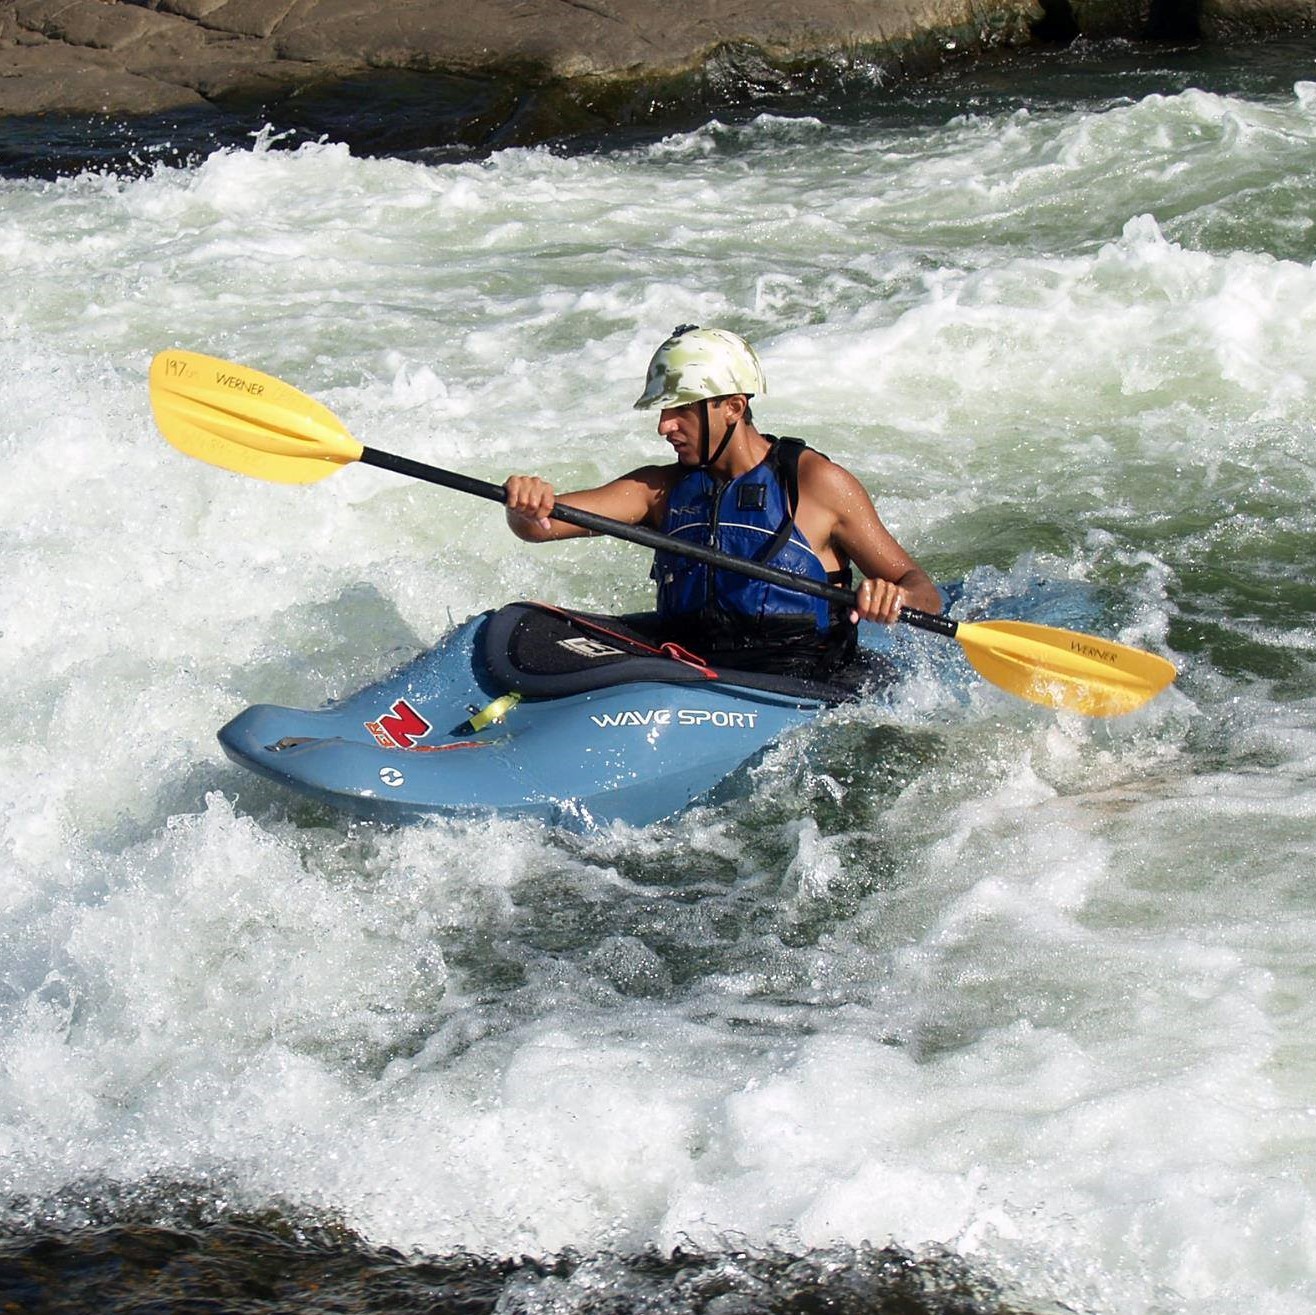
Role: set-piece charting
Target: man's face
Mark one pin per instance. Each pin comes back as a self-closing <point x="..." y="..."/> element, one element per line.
<point x="683" y="428"/>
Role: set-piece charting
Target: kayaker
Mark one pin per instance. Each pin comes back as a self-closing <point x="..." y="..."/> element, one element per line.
<point x="752" y="495"/>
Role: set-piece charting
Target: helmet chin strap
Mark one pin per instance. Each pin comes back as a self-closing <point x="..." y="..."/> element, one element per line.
<point x="706" y="429"/>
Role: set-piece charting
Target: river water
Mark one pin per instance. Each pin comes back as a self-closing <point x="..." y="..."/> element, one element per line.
<point x="965" y="1005"/>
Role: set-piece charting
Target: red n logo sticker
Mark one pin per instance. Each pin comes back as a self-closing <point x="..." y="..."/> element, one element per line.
<point x="400" y="728"/>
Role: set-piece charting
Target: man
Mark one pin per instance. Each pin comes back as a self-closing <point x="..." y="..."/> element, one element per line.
<point x="752" y="495"/>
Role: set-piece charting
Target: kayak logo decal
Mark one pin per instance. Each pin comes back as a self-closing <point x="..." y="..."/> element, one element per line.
<point x="400" y="727"/>
<point x="587" y="647"/>
<point x="718" y="717"/>
<point x="391" y="777"/>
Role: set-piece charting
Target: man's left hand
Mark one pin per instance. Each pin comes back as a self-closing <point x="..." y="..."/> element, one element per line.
<point x="878" y="600"/>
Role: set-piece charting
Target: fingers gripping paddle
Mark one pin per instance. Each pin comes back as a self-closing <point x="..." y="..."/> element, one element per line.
<point x="252" y="423"/>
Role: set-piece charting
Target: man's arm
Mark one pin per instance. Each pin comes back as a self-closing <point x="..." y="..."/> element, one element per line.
<point x="635" y="498"/>
<point x="891" y="577"/>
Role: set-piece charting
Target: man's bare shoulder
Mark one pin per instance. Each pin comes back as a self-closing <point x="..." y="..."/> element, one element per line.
<point x="827" y="481"/>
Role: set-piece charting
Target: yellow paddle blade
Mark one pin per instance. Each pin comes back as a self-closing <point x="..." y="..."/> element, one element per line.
<point x="1062" y="668"/>
<point x="243" y="420"/>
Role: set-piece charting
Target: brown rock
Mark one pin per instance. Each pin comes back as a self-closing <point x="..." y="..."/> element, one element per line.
<point x="142" y="56"/>
<point x="121" y="57"/>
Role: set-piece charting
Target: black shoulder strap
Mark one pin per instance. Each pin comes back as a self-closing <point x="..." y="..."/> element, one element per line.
<point x="786" y="460"/>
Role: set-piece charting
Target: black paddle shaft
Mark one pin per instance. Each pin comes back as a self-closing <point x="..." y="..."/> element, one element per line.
<point x="642" y="534"/>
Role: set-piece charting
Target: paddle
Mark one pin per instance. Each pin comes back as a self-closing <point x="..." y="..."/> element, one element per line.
<point x="252" y="423"/>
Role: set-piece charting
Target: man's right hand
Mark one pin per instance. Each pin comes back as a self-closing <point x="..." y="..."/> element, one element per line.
<point x="528" y="498"/>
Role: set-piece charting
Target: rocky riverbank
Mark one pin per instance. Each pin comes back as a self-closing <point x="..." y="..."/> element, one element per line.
<point x="137" y="57"/>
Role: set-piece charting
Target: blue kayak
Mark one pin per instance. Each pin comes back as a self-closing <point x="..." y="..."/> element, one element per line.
<point x="531" y="711"/>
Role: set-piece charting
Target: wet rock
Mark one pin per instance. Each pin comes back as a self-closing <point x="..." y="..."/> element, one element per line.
<point x="145" y="56"/>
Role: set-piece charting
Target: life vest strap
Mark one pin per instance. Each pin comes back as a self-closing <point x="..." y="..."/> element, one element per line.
<point x="786" y="461"/>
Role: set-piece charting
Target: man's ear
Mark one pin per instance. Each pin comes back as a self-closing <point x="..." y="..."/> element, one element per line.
<point x="736" y="405"/>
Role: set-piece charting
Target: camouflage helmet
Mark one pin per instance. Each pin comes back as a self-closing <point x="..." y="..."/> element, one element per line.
<point x="694" y="364"/>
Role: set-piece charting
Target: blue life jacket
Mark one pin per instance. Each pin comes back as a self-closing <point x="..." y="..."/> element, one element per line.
<point x="751" y="516"/>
